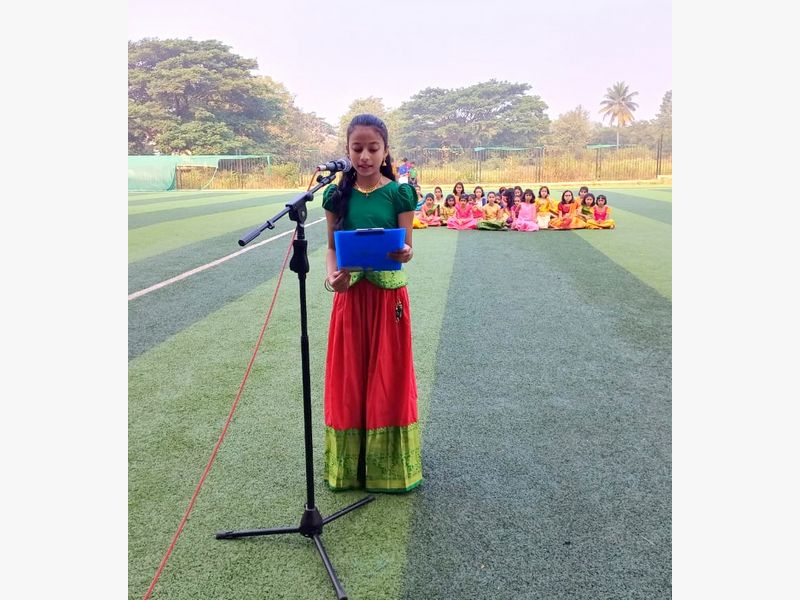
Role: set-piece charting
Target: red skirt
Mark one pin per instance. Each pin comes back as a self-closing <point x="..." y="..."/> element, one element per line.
<point x="372" y="434"/>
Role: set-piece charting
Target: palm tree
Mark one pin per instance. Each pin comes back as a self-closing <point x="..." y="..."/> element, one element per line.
<point x="618" y="106"/>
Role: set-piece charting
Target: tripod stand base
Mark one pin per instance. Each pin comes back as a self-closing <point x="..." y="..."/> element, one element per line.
<point x="311" y="524"/>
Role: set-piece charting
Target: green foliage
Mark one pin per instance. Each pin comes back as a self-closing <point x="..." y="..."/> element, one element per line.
<point x="289" y="172"/>
<point x="642" y="133"/>
<point x="186" y="95"/>
<point x="618" y="105"/>
<point x="664" y="119"/>
<point x="374" y="106"/>
<point x="297" y="136"/>
<point x="484" y="114"/>
<point x="572" y="130"/>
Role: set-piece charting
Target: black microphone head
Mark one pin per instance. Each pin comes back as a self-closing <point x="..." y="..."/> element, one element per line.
<point x="334" y="166"/>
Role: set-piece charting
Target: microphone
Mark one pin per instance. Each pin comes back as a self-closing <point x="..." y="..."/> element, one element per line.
<point x="334" y="166"/>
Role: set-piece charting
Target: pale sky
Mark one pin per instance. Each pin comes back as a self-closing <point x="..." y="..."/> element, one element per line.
<point x="329" y="53"/>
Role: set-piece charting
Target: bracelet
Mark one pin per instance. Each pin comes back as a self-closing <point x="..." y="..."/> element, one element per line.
<point x="328" y="285"/>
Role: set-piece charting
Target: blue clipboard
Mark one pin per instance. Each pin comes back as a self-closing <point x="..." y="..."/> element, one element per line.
<point x="366" y="249"/>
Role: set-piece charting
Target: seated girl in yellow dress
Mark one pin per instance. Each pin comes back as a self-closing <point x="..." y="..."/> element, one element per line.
<point x="567" y="214"/>
<point x="546" y="208"/>
<point x="493" y="219"/>
<point x="602" y="215"/>
<point x="449" y="208"/>
<point x="586" y="207"/>
<point x="438" y="198"/>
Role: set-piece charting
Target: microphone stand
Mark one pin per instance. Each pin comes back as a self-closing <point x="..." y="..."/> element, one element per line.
<point x="311" y="522"/>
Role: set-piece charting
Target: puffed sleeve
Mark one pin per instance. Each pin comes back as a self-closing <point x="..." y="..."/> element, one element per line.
<point x="327" y="197"/>
<point x="405" y="199"/>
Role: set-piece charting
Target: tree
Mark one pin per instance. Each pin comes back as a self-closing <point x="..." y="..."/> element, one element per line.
<point x="572" y="130"/>
<point x="485" y="114"/>
<point x="297" y="136"/>
<point x="663" y="119"/>
<point x="194" y="96"/>
<point x="618" y="106"/>
<point x="370" y="105"/>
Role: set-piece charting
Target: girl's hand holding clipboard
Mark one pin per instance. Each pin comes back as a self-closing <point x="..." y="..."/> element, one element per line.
<point x="403" y="256"/>
<point x="339" y="280"/>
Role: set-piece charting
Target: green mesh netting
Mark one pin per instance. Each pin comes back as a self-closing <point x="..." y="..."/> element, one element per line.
<point x="157" y="173"/>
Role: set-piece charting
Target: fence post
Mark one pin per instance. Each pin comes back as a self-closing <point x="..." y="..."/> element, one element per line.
<point x="597" y="164"/>
<point x="658" y="156"/>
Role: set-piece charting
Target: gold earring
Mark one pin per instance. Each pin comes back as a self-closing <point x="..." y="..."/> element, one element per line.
<point x="383" y="164"/>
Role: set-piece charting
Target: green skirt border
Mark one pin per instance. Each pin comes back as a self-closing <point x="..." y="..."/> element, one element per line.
<point x="387" y="459"/>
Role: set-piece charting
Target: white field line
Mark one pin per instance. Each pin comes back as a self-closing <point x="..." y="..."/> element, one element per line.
<point x="214" y="263"/>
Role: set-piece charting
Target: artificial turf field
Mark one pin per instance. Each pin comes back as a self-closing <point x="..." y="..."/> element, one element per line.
<point x="543" y="364"/>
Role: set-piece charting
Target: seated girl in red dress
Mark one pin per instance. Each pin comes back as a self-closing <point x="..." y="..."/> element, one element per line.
<point x="567" y="214"/>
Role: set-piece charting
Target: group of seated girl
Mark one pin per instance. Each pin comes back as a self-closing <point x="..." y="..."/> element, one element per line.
<point x="513" y="209"/>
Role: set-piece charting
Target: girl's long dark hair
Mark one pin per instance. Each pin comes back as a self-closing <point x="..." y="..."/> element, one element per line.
<point x="344" y="188"/>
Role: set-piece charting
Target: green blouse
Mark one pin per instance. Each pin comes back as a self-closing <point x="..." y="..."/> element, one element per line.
<point x="379" y="209"/>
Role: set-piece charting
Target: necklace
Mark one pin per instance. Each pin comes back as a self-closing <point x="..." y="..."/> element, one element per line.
<point x="368" y="191"/>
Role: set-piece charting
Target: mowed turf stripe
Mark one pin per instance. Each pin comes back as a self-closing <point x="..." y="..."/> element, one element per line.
<point x="637" y="202"/>
<point x="155" y="269"/>
<point x="136" y="199"/>
<point x="208" y="207"/>
<point x="547" y="446"/>
<point x="158" y="315"/>
<point x="641" y="202"/>
<point x="649" y="193"/>
<point x="163" y="237"/>
<point x="182" y="199"/>
<point x="639" y="245"/>
<point x="179" y="395"/>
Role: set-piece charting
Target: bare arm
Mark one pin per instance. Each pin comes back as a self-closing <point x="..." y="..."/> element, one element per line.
<point x="405" y="220"/>
<point x="338" y="280"/>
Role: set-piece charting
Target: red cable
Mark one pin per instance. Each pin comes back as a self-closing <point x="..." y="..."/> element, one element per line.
<point x="224" y="429"/>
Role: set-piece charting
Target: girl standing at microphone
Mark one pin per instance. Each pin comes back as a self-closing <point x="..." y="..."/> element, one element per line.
<point x="372" y="437"/>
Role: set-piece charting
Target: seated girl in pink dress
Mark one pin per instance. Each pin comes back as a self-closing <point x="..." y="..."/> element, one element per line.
<point x="513" y="207"/>
<point x="602" y="215"/>
<point x="526" y="217"/>
<point x="428" y="213"/>
<point x="474" y="204"/>
<point x="458" y="191"/>
<point x="463" y="218"/>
